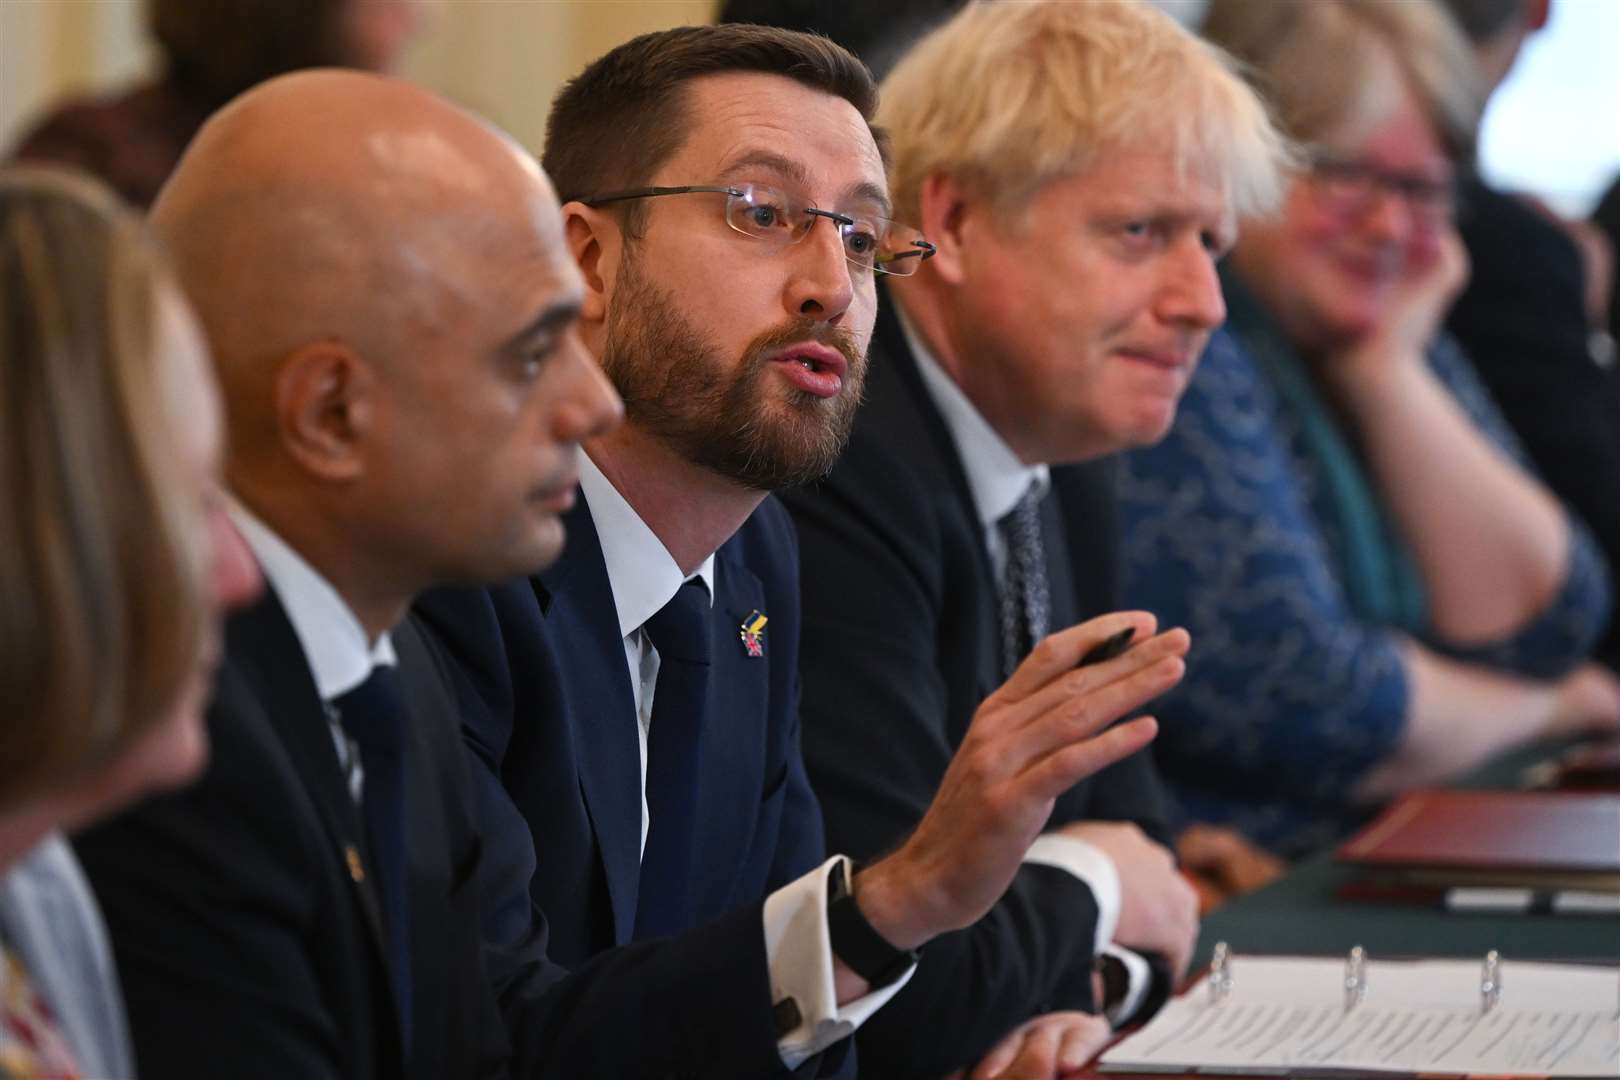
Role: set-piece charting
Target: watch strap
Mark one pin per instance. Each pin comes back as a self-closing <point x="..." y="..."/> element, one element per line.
<point x="855" y="942"/>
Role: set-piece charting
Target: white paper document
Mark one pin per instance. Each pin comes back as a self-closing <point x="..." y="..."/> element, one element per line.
<point x="1289" y="1014"/>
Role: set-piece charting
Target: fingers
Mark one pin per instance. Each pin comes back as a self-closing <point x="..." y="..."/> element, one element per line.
<point x="1030" y="1052"/>
<point x="1058" y="653"/>
<point x="1045" y="1046"/>
<point x="1001" y="1055"/>
<point x="1081" y="682"/>
<point x="1059" y="770"/>
<point x="1083" y="1040"/>
<point x="1077" y="718"/>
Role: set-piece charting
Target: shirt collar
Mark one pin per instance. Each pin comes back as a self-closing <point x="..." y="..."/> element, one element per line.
<point x="332" y="638"/>
<point x="642" y="573"/>
<point x="995" y="475"/>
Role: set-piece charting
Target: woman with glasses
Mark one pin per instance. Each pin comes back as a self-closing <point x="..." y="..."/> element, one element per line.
<point x="115" y="560"/>
<point x="1381" y="592"/>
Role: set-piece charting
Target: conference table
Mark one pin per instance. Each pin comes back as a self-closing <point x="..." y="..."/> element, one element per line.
<point x="1301" y="912"/>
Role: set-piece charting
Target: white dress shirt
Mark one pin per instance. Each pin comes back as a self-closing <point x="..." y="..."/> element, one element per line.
<point x="997" y="479"/>
<point x="334" y="643"/>
<point x="644" y="577"/>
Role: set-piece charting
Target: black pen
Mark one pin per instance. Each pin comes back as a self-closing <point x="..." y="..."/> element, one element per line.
<point x="1108" y="648"/>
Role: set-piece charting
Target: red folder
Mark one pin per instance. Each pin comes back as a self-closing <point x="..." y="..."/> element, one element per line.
<point x="1516" y="838"/>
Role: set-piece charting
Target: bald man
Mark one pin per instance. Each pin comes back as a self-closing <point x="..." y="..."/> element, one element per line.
<point x="391" y="309"/>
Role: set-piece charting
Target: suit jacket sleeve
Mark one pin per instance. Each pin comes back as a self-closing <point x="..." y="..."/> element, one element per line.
<point x="208" y="897"/>
<point x="878" y="738"/>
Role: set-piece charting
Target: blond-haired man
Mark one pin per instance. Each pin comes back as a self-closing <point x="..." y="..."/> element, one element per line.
<point x="1080" y="168"/>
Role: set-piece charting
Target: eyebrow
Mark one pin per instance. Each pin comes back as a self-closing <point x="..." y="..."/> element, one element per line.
<point x="795" y="172"/>
<point x="557" y="315"/>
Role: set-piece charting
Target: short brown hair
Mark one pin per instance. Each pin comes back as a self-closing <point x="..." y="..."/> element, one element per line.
<point x="617" y="121"/>
<point x="102" y="561"/>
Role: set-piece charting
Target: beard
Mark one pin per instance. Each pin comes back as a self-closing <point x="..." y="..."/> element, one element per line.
<point x="732" y="420"/>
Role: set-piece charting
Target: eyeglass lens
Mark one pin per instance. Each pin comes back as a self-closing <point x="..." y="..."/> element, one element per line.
<point x="870" y="242"/>
<point x="1353" y="186"/>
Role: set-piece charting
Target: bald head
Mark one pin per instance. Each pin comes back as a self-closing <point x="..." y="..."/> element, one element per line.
<point x="344" y="207"/>
<point x="391" y="303"/>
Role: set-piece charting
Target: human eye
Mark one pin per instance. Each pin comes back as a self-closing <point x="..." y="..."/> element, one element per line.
<point x="1140" y="234"/>
<point x="761" y="211"/>
<point x="532" y="358"/>
<point x="861" y="242"/>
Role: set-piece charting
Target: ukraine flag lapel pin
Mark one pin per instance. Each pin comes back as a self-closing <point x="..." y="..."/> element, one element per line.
<point x="753" y="633"/>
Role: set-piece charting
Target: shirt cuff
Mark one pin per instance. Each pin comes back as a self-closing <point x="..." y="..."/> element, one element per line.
<point x="1091" y="866"/>
<point x="798" y="950"/>
<point x="1138" y="981"/>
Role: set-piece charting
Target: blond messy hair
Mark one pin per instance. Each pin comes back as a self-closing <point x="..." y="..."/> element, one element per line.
<point x="102" y="562"/>
<point x="1008" y="97"/>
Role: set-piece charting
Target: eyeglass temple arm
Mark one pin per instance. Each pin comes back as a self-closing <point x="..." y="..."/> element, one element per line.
<point x="925" y="250"/>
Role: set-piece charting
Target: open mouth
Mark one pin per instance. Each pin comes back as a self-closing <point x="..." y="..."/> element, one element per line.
<point x="812" y="367"/>
<point x="814" y="357"/>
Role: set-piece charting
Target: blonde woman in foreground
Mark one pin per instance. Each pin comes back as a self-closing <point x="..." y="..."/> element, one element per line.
<point x="115" y="561"/>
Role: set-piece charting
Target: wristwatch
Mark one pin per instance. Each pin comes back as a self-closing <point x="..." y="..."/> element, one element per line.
<point x="855" y="942"/>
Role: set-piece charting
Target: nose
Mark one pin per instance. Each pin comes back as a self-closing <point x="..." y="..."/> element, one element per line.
<point x="819" y="284"/>
<point x="586" y="404"/>
<point x="1190" y="289"/>
<point x="234" y="574"/>
<point x="1388" y="217"/>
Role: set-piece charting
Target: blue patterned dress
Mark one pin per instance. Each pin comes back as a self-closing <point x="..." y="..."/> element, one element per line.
<point x="1291" y="694"/>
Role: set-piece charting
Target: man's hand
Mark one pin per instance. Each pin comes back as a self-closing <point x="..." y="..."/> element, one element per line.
<point x="1030" y="741"/>
<point x="1046" y="1047"/>
<point x="1158" y="909"/>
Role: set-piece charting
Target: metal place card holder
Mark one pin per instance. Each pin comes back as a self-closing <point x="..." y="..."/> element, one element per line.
<point x="1355" y="978"/>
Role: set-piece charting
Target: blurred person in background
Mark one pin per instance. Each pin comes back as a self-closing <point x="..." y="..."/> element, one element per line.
<point x="212" y="50"/>
<point x="1533" y="317"/>
<point x="1382" y="593"/>
<point x="1607" y="220"/>
<point x="115" y="560"/>
<point x="878" y="34"/>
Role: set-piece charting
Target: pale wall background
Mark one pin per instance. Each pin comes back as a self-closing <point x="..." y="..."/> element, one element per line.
<point x="503" y="58"/>
<point x="1551" y="129"/>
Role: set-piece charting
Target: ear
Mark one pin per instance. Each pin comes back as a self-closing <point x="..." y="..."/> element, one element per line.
<point x="326" y="405"/>
<point x="944" y="207"/>
<point x="595" y="242"/>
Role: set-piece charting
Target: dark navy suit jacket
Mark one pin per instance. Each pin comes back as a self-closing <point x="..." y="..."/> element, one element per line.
<point x="249" y="944"/>
<point x="550" y="719"/>
<point x="902" y="643"/>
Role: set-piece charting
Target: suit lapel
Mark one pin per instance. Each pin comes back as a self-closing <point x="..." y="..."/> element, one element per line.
<point x="262" y="641"/>
<point x="582" y="623"/>
<point x="903" y="366"/>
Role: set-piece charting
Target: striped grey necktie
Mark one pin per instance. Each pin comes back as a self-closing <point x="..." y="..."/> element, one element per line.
<point x="1024" y="596"/>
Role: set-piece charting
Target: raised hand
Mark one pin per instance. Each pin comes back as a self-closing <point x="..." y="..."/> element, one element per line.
<point x="1045" y="729"/>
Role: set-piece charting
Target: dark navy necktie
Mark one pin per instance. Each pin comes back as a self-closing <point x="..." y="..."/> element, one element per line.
<point x="373" y="715"/>
<point x="1025" y="598"/>
<point x="680" y="633"/>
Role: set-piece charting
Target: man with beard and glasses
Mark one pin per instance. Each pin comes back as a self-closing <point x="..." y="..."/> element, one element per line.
<point x="635" y="707"/>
